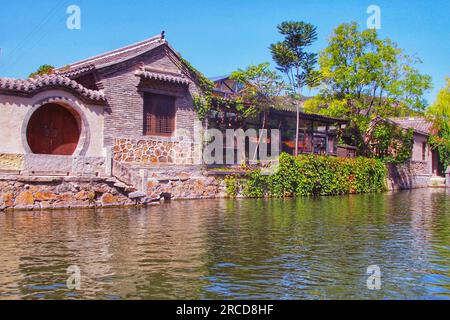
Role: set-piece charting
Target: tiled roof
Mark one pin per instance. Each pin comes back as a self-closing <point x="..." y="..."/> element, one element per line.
<point x="115" y="55"/>
<point x="420" y="125"/>
<point x="67" y="72"/>
<point x="310" y="116"/>
<point x="32" y="85"/>
<point x="162" y="76"/>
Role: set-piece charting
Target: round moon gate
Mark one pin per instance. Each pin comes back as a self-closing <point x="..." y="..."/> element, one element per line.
<point x="53" y="130"/>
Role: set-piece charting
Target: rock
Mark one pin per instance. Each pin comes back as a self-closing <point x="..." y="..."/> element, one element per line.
<point x="46" y="205"/>
<point x="24" y="199"/>
<point x="65" y="197"/>
<point x="101" y="189"/>
<point x="184" y="176"/>
<point x="136" y="195"/>
<point x="8" y="199"/>
<point x="45" y="196"/>
<point x="120" y="185"/>
<point x="108" y="198"/>
<point x="85" y="195"/>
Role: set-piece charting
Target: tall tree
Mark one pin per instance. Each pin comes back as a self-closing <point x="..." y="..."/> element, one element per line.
<point x="261" y="88"/>
<point x="292" y="58"/>
<point x="440" y="109"/>
<point x="363" y="76"/>
<point x="439" y="112"/>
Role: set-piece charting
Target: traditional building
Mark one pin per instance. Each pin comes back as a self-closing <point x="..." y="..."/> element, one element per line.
<point x="317" y="134"/>
<point x="422" y="152"/>
<point x="423" y="169"/>
<point x="136" y="102"/>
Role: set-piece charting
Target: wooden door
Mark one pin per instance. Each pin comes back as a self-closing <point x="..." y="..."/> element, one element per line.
<point x="435" y="163"/>
<point x="52" y="129"/>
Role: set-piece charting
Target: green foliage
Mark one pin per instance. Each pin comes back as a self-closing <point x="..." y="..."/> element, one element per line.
<point x="295" y="62"/>
<point x="309" y="175"/>
<point x="202" y="103"/>
<point x="440" y="114"/>
<point x="256" y="185"/>
<point x="441" y="143"/>
<point x="203" y="82"/>
<point x="43" y="70"/>
<point x="392" y="143"/>
<point x="440" y="109"/>
<point x="261" y="86"/>
<point x="370" y="74"/>
<point x="364" y="76"/>
<point x="231" y="186"/>
<point x="291" y="56"/>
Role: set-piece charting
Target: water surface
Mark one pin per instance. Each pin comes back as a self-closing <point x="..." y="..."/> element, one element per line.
<point x="309" y="248"/>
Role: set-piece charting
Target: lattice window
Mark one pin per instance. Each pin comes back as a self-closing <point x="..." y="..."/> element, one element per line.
<point x="159" y="115"/>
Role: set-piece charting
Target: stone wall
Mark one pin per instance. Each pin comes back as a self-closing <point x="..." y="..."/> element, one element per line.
<point x="447" y="177"/>
<point x="125" y="90"/>
<point x="11" y="161"/>
<point x="154" y="150"/>
<point x="190" y="188"/>
<point x="35" y="193"/>
<point x="410" y="175"/>
<point x="37" y="164"/>
<point x="16" y="110"/>
<point x="43" y="193"/>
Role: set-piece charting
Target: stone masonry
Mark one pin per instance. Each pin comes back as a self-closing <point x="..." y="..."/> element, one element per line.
<point x="410" y="175"/>
<point x="36" y="193"/>
<point x="156" y="151"/>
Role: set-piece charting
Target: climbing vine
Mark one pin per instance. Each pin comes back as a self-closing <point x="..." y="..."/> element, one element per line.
<point x="441" y="143"/>
<point x="391" y="143"/>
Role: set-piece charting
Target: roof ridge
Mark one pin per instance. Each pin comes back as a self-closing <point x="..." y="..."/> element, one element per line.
<point x="32" y="84"/>
<point x="114" y="52"/>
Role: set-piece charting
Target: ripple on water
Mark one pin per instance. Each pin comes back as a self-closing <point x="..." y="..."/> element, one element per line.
<point x="309" y="248"/>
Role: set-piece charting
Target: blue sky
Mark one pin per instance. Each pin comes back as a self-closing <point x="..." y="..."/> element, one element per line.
<point x="217" y="37"/>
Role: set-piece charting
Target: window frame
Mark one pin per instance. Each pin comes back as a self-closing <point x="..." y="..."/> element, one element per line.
<point x="424" y="151"/>
<point x="148" y="108"/>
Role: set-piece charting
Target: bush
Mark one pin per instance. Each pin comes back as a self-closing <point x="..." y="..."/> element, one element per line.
<point x="231" y="186"/>
<point x="309" y="175"/>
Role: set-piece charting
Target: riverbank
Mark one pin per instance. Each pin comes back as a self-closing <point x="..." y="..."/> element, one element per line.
<point x="293" y="177"/>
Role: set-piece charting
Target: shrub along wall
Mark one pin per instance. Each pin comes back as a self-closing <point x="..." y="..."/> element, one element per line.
<point x="312" y="175"/>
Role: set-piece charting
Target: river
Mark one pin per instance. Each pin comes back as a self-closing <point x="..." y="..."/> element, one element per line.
<point x="306" y="248"/>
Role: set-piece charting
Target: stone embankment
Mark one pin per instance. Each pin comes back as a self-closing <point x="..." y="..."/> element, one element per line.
<point x="35" y="193"/>
<point x="43" y="193"/>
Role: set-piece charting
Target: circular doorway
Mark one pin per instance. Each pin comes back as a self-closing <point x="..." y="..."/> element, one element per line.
<point x="53" y="130"/>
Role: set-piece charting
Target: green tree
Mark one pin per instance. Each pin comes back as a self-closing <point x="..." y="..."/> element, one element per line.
<point x="440" y="109"/>
<point x="439" y="112"/>
<point x="43" y="70"/>
<point x="292" y="59"/>
<point x="363" y="76"/>
<point x="260" y="89"/>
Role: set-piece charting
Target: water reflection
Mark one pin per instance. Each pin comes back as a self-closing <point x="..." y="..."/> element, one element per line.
<point x="309" y="248"/>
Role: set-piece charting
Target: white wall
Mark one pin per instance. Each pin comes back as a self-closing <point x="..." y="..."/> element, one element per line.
<point x="417" y="155"/>
<point x="14" y="109"/>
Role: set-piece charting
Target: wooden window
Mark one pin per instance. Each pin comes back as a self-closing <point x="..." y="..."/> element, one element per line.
<point x="424" y="151"/>
<point x="159" y="114"/>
